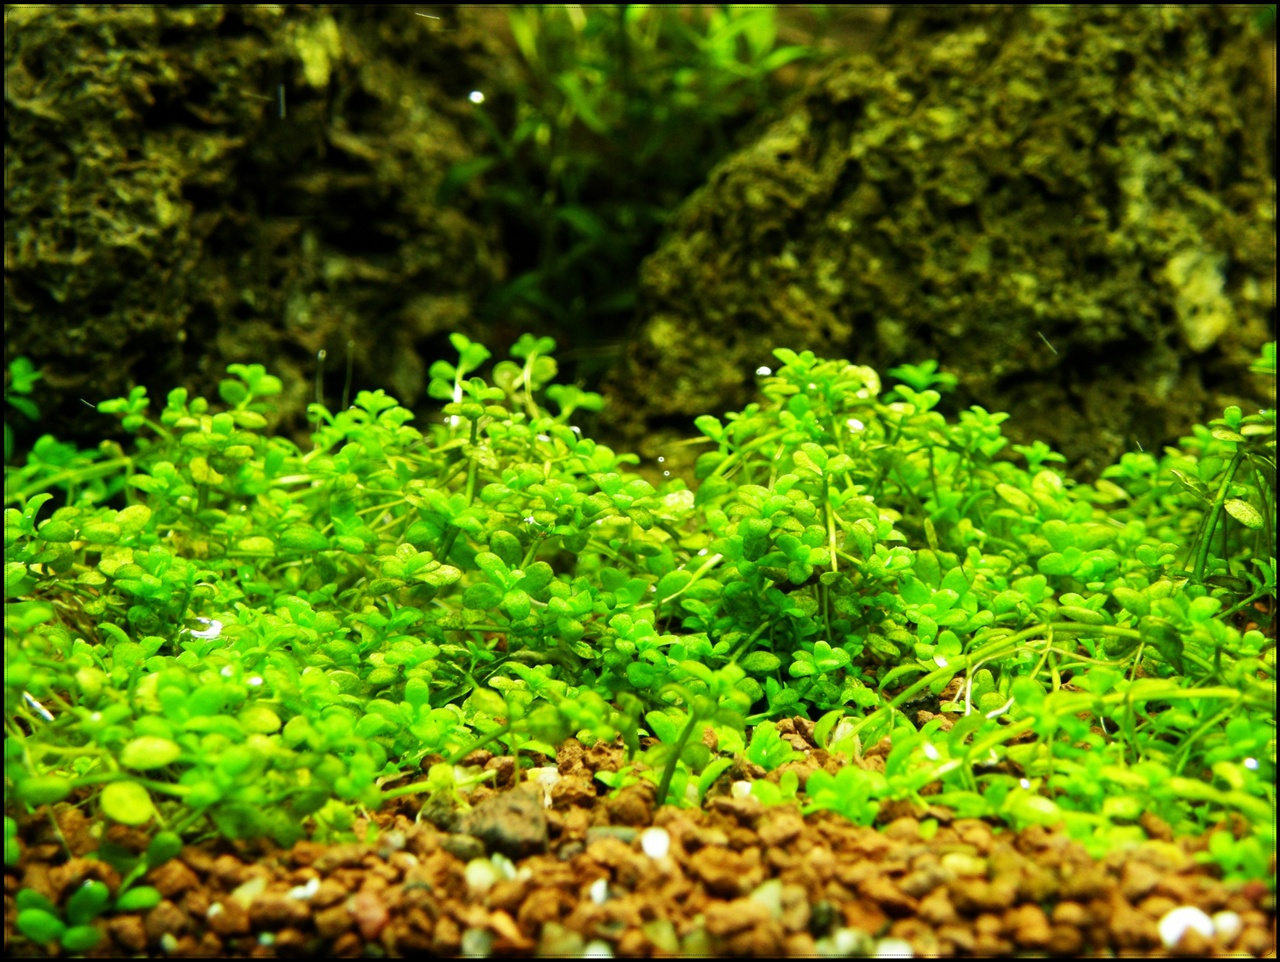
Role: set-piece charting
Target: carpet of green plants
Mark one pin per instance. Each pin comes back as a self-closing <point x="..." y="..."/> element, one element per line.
<point x="216" y="632"/>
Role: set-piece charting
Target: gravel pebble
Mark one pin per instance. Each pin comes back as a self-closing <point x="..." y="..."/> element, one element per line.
<point x="734" y="879"/>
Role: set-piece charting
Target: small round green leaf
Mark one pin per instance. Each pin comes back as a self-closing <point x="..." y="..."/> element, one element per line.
<point x="760" y="661"/>
<point x="233" y="392"/>
<point x="482" y="597"/>
<point x="81" y="938"/>
<point x="303" y="537"/>
<point x="31" y="899"/>
<point x="87" y="902"/>
<point x="417" y="692"/>
<point x="44" y="789"/>
<point x="1134" y="602"/>
<point x="133" y="518"/>
<point x="140" y="899"/>
<point x="257" y="545"/>
<point x="127" y="803"/>
<point x="149" y="752"/>
<point x="506" y="546"/>
<point x="249" y="420"/>
<point x="15" y="572"/>
<point x="1086" y="616"/>
<point x="517" y="604"/>
<point x="40" y="926"/>
<point x="259" y="719"/>
<point x="101" y="532"/>
<point x="164" y="846"/>
<point x="1244" y="512"/>
<point x="57" y="531"/>
<point x="203" y="794"/>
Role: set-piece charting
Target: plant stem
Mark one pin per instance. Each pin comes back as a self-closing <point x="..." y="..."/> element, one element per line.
<point x="668" y="772"/>
<point x="1215" y="512"/>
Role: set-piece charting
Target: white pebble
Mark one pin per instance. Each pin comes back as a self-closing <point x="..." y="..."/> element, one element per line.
<point x="655" y="842"/>
<point x="481" y="874"/>
<point x="477" y="942"/>
<point x="1228" y="925"/>
<point x="506" y="868"/>
<point x="894" y="949"/>
<point x="769" y="894"/>
<point x="597" y="949"/>
<point x="845" y="942"/>
<point x="244" y="893"/>
<point x="392" y="841"/>
<point x="1175" y="923"/>
<point x="599" y="891"/>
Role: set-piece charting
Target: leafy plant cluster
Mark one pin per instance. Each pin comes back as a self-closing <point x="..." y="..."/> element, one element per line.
<point x="266" y="640"/>
<point x="620" y="112"/>
<point x="72" y="928"/>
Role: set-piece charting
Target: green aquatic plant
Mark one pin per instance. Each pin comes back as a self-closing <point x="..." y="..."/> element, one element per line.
<point x="20" y="381"/>
<point x="616" y="114"/>
<point x="269" y="641"/>
<point x="767" y="749"/>
<point x="73" y="929"/>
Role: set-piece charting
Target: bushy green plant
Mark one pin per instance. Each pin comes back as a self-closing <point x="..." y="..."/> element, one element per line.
<point x="93" y="476"/>
<point x="72" y="929"/>
<point x="267" y="640"/>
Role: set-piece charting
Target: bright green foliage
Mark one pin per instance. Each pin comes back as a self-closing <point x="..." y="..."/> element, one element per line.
<point x="39" y="920"/>
<point x="12" y="847"/>
<point x="267" y="641"/>
<point x="848" y="793"/>
<point x="767" y="749"/>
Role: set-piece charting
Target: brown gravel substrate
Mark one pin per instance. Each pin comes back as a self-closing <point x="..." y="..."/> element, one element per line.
<point x="737" y="878"/>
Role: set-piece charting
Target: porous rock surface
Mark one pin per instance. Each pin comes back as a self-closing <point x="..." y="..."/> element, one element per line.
<point x="1072" y="208"/>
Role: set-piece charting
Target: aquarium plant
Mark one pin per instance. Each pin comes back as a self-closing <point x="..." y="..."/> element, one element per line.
<point x="255" y="638"/>
<point x="618" y="112"/>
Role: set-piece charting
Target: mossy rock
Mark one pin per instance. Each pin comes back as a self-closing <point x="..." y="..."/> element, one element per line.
<point x="1073" y="208"/>
<point x="192" y="186"/>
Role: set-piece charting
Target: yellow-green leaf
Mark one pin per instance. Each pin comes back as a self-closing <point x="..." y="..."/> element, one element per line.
<point x="127" y="802"/>
<point x="149" y="752"/>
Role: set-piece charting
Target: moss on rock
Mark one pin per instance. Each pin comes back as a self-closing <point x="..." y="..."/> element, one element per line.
<point x="188" y="186"/>
<point x="1073" y="208"/>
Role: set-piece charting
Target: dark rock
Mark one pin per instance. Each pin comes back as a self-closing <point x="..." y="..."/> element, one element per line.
<point x="511" y="823"/>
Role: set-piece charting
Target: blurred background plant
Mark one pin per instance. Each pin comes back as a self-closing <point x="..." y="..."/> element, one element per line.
<point x="20" y="381"/>
<point x="620" y="113"/>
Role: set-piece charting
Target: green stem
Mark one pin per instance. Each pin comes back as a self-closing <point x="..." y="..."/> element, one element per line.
<point x="480" y="743"/>
<point x="1215" y="513"/>
<point x="669" y="771"/>
<point x="76" y="475"/>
